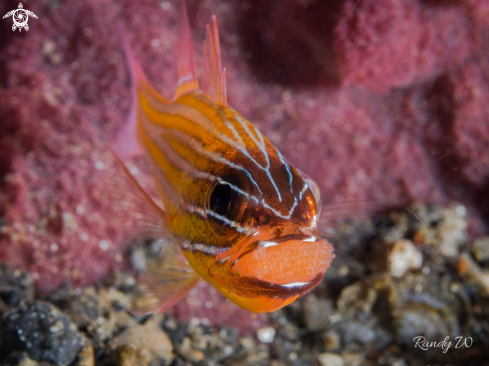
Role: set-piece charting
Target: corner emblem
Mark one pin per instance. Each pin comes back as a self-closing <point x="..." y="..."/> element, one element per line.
<point x="20" y="17"/>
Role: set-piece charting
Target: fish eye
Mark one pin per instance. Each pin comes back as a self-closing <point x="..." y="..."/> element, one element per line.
<point x="316" y="193"/>
<point x="224" y="201"/>
<point x="313" y="187"/>
<point x="220" y="200"/>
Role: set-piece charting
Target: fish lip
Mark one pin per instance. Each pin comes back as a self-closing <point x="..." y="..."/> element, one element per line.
<point x="275" y="241"/>
<point x="285" y="290"/>
<point x="286" y="238"/>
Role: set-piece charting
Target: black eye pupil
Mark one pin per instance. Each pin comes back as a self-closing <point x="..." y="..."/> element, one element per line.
<point x="220" y="201"/>
<point x="226" y="202"/>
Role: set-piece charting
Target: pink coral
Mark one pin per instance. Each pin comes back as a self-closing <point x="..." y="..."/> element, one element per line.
<point x="387" y="44"/>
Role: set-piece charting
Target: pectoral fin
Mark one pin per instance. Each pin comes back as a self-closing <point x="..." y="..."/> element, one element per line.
<point x="137" y="217"/>
<point x="133" y="211"/>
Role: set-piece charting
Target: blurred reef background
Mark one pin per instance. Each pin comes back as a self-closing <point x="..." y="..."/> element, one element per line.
<point x="378" y="100"/>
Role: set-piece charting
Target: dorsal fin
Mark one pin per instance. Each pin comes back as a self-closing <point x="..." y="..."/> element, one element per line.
<point x="187" y="77"/>
<point x="213" y="75"/>
<point x="135" y="70"/>
<point x="125" y="142"/>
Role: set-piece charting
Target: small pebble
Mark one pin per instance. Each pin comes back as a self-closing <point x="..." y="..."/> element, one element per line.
<point x="186" y="351"/>
<point x="452" y="230"/>
<point x="330" y="359"/>
<point x="142" y="346"/>
<point x="86" y="355"/>
<point x="331" y="340"/>
<point x="266" y="335"/>
<point x="472" y="273"/>
<point x="481" y="249"/>
<point x="247" y="343"/>
<point x="404" y="256"/>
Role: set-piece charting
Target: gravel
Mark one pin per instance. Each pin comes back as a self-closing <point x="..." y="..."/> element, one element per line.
<point x="363" y="313"/>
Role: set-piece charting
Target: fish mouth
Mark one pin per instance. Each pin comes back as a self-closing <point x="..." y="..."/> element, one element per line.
<point x="291" y="261"/>
<point x="276" y="291"/>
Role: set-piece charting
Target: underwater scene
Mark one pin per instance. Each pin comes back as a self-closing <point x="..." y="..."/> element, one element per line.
<point x="244" y="182"/>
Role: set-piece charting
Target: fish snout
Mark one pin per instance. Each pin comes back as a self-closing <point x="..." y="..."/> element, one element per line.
<point x="293" y="259"/>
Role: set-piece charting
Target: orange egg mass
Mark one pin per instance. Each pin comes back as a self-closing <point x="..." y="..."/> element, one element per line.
<point x="289" y="262"/>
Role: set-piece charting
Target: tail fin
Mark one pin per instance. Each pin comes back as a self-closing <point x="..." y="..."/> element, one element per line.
<point x="187" y="77"/>
<point x="214" y="76"/>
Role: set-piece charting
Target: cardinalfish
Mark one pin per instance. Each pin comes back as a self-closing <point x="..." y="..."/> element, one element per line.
<point x="236" y="213"/>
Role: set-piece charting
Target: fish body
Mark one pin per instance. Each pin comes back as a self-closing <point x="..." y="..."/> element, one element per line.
<point x="243" y="218"/>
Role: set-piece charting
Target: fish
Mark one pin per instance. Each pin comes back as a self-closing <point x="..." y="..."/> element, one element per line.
<point x="234" y="212"/>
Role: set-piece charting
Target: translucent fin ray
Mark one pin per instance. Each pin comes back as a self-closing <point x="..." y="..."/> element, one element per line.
<point x="166" y="280"/>
<point x="213" y="74"/>
<point x="136" y="215"/>
<point x="138" y="218"/>
<point x="347" y="225"/>
<point x="125" y="143"/>
<point x="135" y="69"/>
<point x="349" y="210"/>
<point x="187" y="77"/>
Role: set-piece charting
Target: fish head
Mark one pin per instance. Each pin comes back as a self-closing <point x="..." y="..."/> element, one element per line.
<point x="277" y="253"/>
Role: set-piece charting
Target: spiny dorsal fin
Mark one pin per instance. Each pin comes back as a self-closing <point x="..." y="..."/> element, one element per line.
<point x="187" y="77"/>
<point x="125" y="143"/>
<point x="213" y="75"/>
<point x="135" y="70"/>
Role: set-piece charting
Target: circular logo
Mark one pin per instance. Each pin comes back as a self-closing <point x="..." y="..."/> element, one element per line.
<point x="20" y="18"/>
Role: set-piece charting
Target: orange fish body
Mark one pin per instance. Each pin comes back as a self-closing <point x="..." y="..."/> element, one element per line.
<point x="244" y="218"/>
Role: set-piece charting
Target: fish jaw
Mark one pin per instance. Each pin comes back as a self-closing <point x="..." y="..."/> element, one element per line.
<point x="287" y="263"/>
<point x="250" y="293"/>
<point x="261" y="297"/>
<point x="258" y="304"/>
<point x="268" y="277"/>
